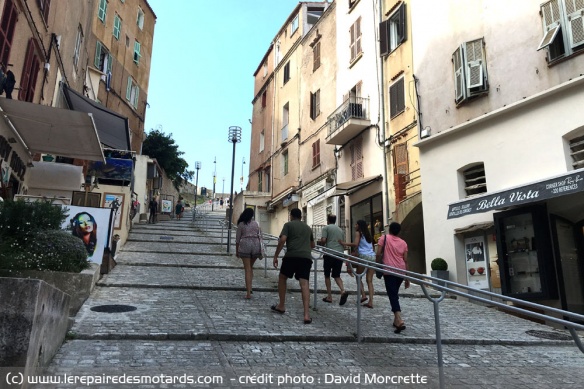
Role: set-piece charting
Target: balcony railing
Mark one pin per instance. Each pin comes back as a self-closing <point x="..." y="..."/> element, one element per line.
<point x="347" y="120"/>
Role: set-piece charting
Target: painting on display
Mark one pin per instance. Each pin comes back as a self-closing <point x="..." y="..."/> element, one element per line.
<point x="476" y="263"/>
<point x="115" y="201"/>
<point x="166" y="206"/>
<point x="92" y="226"/>
<point x="91" y="200"/>
<point x="112" y="169"/>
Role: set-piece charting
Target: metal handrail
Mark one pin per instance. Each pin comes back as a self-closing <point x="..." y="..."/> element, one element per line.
<point x="444" y="286"/>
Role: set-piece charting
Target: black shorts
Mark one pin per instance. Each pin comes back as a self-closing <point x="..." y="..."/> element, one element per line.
<point x="296" y="267"/>
<point x="332" y="263"/>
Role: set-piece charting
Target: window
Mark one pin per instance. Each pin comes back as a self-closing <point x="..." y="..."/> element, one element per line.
<point x="294" y="25"/>
<point x="285" y="118"/>
<point x="30" y="71"/>
<point x="262" y="140"/>
<point x="577" y="152"/>
<point x="260" y="183"/>
<point x="7" y="24"/>
<point x="45" y="5"/>
<point x="102" y="10"/>
<point x="78" y="42"/>
<point x="400" y="170"/>
<point x="140" y="18"/>
<point x="352" y="3"/>
<point x="397" y="103"/>
<point x="103" y="59"/>
<point x="117" y="26"/>
<point x="132" y="92"/>
<point x="393" y="31"/>
<point x="563" y="27"/>
<point x="264" y="99"/>
<point x="287" y="72"/>
<point x="315" y="104"/>
<point x="316" y="56"/>
<point x="356" y="150"/>
<point x="475" y="181"/>
<point x="355" y="32"/>
<point x="137" y="52"/>
<point x="285" y="163"/>
<point x="316" y="153"/>
<point x="313" y="14"/>
<point x="265" y="69"/>
<point x="470" y="70"/>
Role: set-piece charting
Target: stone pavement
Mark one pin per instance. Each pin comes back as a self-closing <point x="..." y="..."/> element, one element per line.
<point x="192" y="325"/>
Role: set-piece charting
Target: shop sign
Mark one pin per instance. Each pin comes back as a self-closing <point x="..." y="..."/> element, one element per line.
<point x="16" y="164"/>
<point x="290" y="199"/>
<point x="543" y="190"/>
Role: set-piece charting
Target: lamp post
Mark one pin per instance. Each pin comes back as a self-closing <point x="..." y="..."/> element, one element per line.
<point x="223" y="191"/>
<point x="214" y="182"/>
<point x="242" y="163"/>
<point x="198" y="167"/>
<point x="234" y="137"/>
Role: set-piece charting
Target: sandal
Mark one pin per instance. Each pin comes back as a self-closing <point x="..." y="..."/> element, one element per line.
<point x="364" y="299"/>
<point x="344" y="297"/>
<point x="275" y="309"/>
<point x="326" y="300"/>
<point x="399" y="328"/>
<point x="368" y="306"/>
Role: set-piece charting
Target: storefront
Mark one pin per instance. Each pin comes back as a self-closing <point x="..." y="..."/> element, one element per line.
<point x="538" y="240"/>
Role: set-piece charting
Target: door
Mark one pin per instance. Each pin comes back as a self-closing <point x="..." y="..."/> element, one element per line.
<point x="567" y="240"/>
<point x="264" y="220"/>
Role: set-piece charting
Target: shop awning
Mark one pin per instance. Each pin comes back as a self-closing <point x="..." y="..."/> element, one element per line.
<point x="556" y="186"/>
<point x="349" y="187"/>
<point x="113" y="129"/>
<point x="474" y="227"/>
<point x="50" y="130"/>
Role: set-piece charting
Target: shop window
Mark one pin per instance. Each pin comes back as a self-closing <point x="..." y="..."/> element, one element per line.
<point x="563" y="28"/>
<point x="316" y="56"/>
<point x="315" y="104"/>
<point x="397" y="100"/>
<point x="286" y="72"/>
<point x="577" y="152"/>
<point x="103" y="59"/>
<point x="7" y="24"/>
<point x="30" y="71"/>
<point x="475" y="181"/>
<point x="316" y="153"/>
<point x="470" y="71"/>
<point x="369" y="210"/>
<point x="355" y="46"/>
<point x="102" y="10"/>
<point x="356" y="150"/>
<point x="393" y="32"/>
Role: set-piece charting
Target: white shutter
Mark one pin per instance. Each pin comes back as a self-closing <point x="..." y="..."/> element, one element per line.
<point x="474" y="63"/>
<point x="459" y="85"/>
<point x="575" y="28"/>
<point x="319" y="214"/>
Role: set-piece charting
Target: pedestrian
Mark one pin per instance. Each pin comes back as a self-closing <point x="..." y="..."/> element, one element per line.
<point x="248" y="245"/>
<point x="297" y="261"/>
<point x="331" y="234"/>
<point x="153" y="207"/>
<point x="394" y="252"/>
<point x="221" y="202"/>
<point x="364" y="250"/>
<point x="179" y="209"/>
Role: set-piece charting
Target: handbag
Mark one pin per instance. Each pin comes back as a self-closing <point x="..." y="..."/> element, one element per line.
<point x="379" y="259"/>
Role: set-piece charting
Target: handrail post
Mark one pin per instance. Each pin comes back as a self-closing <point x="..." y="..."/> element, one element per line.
<point x="435" y="302"/>
<point x="315" y="284"/>
<point x="358" y="299"/>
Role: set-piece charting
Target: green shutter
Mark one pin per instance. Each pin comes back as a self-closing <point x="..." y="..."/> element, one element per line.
<point x="97" y="55"/>
<point x="102" y="10"/>
<point x="135" y="103"/>
<point x="110" y="60"/>
<point x="117" y="27"/>
<point x="129" y="89"/>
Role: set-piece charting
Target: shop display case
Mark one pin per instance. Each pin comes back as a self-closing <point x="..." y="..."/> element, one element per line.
<point x="525" y="257"/>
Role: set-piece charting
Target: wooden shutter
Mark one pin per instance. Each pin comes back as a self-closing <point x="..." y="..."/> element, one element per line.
<point x="7" y="24"/>
<point x="319" y="214"/>
<point x="400" y="170"/>
<point x="317" y="103"/>
<point x="97" y="60"/>
<point x="551" y="22"/>
<point x="316" y="56"/>
<point x="474" y="64"/>
<point x="357" y="159"/>
<point x="358" y="36"/>
<point x="27" y="69"/>
<point x="396" y="98"/>
<point x="384" y="38"/>
<point x="459" y="83"/>
<point x="402" y="25"/>
<point x="102" y="10"/>
<point x="352" y="45"/>
<point x="129" y="89"/>
<point x="316" y="153"/>
<point x="45" y="5"/>
<point x="575" y="28"/>
<point x="312" y="105"/>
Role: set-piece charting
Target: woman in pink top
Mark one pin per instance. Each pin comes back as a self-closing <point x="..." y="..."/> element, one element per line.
<point x="248" y="245"/>
<point x="394" y="252"/>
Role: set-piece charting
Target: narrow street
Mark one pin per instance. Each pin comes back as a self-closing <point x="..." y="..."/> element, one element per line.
<point x="189" y="318"/>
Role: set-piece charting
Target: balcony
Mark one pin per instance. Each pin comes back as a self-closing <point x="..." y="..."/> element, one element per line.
<point x="348" y="120"/>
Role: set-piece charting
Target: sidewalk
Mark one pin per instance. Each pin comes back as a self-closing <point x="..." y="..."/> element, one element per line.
<point x="191" y="318"/>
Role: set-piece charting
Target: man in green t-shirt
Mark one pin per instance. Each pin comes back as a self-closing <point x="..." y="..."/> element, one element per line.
<point x="297" y="261"/>
<point x="331" y="236"/>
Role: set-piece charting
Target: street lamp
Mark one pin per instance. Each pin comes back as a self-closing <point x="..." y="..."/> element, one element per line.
<point x="242" y="163"/>
<point x="223" y="191"/>
<point x="197" y="166"/>
<point x="234" y="137"/>
<point x="214" y="182"/>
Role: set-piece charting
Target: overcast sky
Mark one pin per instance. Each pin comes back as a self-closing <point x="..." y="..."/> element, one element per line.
<point x="201" y="78"/>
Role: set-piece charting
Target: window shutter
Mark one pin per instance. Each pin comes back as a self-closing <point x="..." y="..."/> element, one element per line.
<point x="392" y="100"/>
<point x="459" y="85"/>
<point x="352" y="45"/>
<point x="319" y="214"/>
<point x="575" y="28"/>
<point x="129" y="89"/>
<point x="384" y="38"/>
<point x="135" y="102"/>
<point x="26" y="71"/>
<point x="357" y="159"/>
<point x="314" y="154"/>
<point x="9" y="19"/>
<point x="110" y="60"/>
<point x="312" y="106"/>
<point x="97" y="60"/>
<point x="474" y="63"/>
<point x="551" y="22"/>
<point x="317" y="103"/>
<point x="402" y="26"/>
<point x="400" y="98"/>
<point x="358" y="36"/>
<point x="316" y="59"/>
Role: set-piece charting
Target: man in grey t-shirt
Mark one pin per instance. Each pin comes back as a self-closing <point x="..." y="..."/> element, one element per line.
<point x="297" y="261"/>
<point x="331" y="235"/>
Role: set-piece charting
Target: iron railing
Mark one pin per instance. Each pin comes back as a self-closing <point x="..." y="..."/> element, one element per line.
<point x="354" y="107"/>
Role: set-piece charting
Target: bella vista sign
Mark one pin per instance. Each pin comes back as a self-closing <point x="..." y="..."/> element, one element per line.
<point x="543" y="190"/>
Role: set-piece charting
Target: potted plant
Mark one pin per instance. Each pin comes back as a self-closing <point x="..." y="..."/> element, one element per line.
<point x="440" y="270"/>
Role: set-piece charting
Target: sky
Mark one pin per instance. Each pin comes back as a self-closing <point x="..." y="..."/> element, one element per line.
<point x="201" y="78"/>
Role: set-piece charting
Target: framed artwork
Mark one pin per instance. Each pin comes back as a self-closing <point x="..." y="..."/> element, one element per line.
<point x="166" y="206"/>
<point x="115" y="201"/>
<point x="92" y="225"/>
<point x="93" y="199"/>
<point x="476" y="263"/>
